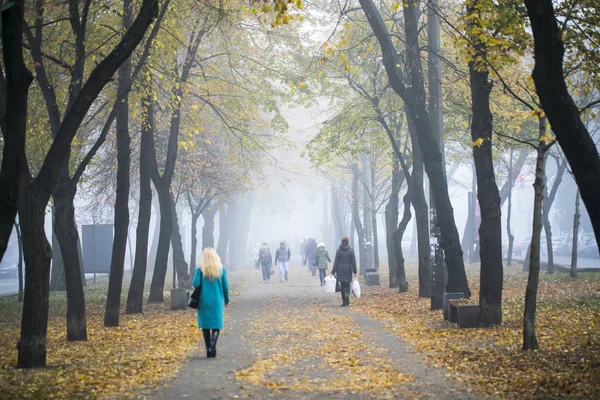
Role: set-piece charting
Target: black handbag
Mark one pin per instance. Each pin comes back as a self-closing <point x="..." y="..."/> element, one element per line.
<point x="194" y="301"/>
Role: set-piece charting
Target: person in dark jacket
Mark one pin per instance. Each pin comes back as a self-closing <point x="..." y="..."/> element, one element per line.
<point x="265" y="260"/>
<point x="344" y="266"/>
<point x="310" y="252"/>
<point x="282" y="256"/>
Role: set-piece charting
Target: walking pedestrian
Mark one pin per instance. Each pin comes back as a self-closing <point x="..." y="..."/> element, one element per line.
<point x="213" y="297"/>
<point x="265" y="259"/>
<point x="282" y="256"/>
<point x="344" y="266"/>
<point x="310" y="252"/>
<point x="255" y="254"/>
<point x="321" y="260"/>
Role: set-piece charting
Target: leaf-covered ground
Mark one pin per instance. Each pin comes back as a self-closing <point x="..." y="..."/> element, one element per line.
<point x="292" y="340"/>
<point x="143" y="351"/>
<point x="490" y="361"/>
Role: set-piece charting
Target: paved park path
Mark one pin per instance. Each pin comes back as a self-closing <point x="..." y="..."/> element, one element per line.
<point x="293" y="340"/>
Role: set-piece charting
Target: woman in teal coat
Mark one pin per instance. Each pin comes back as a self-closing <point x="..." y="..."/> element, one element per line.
<point x="213" y="297"/>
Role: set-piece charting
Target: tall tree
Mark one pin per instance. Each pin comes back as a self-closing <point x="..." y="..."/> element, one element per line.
<point x="162" y="182"/>
<point x="36" y="193"/>
<point x="415" y="98"/>
<point x="121" y="224"/>
<point x="563" y="114"/>
<point x="15" y="87"/>
<point x="490" y="228"/>
<point x="138" y="277"/>
<point x="529" y="337"/>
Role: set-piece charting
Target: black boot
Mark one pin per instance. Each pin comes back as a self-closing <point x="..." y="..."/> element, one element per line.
<point x="343" y="299"/>
<point x="347" y="299"/>
<point x="206" y="334"/>
<point x="213" y="343"/>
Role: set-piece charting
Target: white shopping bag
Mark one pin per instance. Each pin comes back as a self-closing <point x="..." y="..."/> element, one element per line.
<point x="330" y="284"/>
<point x="356" y="288"/>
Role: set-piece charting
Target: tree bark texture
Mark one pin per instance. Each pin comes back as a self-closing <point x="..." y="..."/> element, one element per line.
<point x="14" y="121"/>
<point x="529" y="338"/>
<point x="421" y="208"/>
<point x="432" y="156"/>
<point x="179" y="263"/>
<point x="20" y="267"/>
<point x="164" y="239"/>
<point x="398" y="234"/>
<point x="367" y="220"/>
<point x="135" y="296"/>
<point x="66" y="232"/>
<point x="372" y="168"/>
<point x="490" y="229"/>
<point x="356" y="218"/>
<point x="117" y="262"/>
<point x="57" y="274"/>
<point x="576" y="217"/>
<point x="563" y="114"/>
<point x="37" y="251"/>
<point x="391" y="224"/>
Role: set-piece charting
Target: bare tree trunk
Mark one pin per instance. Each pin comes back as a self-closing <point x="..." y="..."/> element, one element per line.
<point x="208" y="230"/>
<point x="14" y="119"/>
<point x="66" y="233"/>
<point x="421" y="211"/>
<point x="164" y="239"/>
<point x="20" y="267"/>
<point x="179" y="264"/>
<point x="372" y="168"/>
<point x="336" y="213"/>
<point x="511" y="237"/>
<point x="194" y="243"/>
<point x="490" y="228"/>
<point x="415" y="97"/>
<point x="36" y="194"/>
<point x="367" y="220"/>
<point x="529" y="339"/>
<point x="117" y="262"/>
<point x="34" y="322"/>
<point x="576" y="216"/>
<point x="223" y="233"/>
<point x="135" y="296"/>
<point x="514" y="172"/>
<point x="391" y="224"/>
<point x="57" y="275"/>
<point x="402" y="282"/>
<point x="357" y="223"/>
<point x="151" y="259"/>
<point x="563" y="114"/>
<point x="546" y="207"/>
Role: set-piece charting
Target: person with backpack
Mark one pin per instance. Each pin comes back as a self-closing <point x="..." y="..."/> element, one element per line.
<point x="344" y="266"/>
<point x="321" y="260"/>
<point x="282" y="256"/>
<point x="265" y="260"/>
<point x="214" y="295"/>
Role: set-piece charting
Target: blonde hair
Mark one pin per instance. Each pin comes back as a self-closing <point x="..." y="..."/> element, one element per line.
<point x="210" y="265"/>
